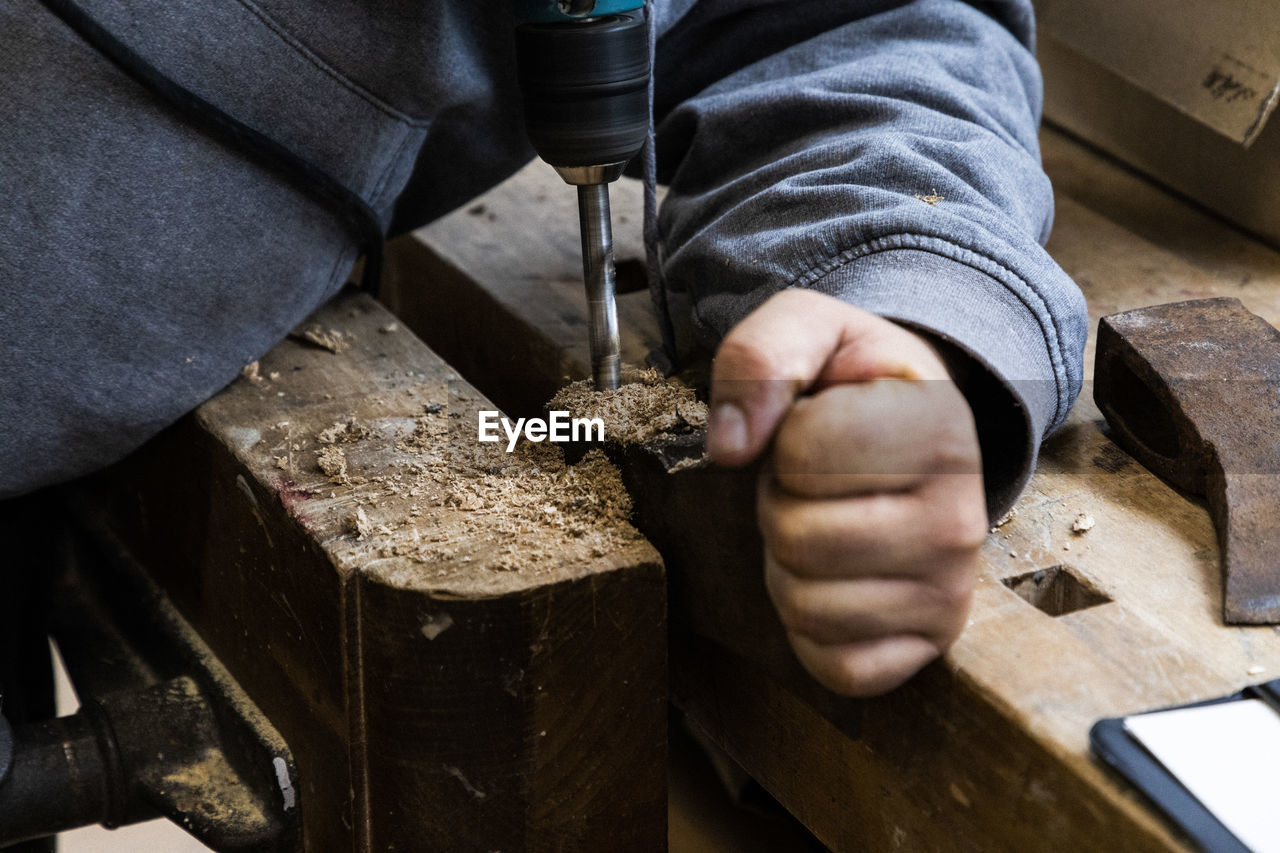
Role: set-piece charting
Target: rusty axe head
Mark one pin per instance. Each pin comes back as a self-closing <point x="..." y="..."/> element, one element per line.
<point x="1192" y="390"/>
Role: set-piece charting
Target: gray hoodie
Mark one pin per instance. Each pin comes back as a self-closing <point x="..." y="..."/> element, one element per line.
<point x="143" y="262"/>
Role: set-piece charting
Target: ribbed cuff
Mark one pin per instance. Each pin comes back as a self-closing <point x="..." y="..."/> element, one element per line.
<point x="994" y="347"/>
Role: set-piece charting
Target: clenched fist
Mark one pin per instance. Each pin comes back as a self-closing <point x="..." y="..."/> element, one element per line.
<point x="871" y="504"/>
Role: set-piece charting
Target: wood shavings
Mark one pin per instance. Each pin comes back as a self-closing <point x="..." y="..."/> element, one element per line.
<point x="444" y="509"/>
<point x="645" y="406"/>
<point x="1083" y="523"/>
<point x="360" y="524"/>
<point x="436" y="625"/>
<point x="429" y="430"/>
<point x="333" y="462"/>
<point x="343" y="431"/>
<point x="331" y="339"/>
<point x="931" y="199"/>
<point x="1005" y="519"/>
<point x="538" y="510"/>
<point x="210" y="790"/>
<point x="688" y="464"/>
<point x="250" y="372"/>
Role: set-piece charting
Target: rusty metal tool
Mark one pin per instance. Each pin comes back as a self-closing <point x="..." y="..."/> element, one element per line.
<point x="1192" y="390"/>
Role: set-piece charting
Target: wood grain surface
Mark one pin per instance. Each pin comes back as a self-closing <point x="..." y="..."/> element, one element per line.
<point x="987" y="749"/>
<point x="435" y="696"/>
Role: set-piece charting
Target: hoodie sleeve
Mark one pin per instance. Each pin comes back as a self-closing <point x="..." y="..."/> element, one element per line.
<point x="884" y="153"/>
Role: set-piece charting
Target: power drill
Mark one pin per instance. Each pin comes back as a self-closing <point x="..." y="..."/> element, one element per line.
<point x="584" y="70"/>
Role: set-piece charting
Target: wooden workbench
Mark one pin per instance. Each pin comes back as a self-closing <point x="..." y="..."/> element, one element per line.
<point x="987" y="749"/>
<point x="452" y="666"/>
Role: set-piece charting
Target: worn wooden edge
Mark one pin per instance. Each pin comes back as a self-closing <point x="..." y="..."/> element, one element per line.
<point x="936" y="768"/>
<point x="261" y="550"/>
<point x="724" y="624"/>
<point x="386" y="379"/>
<point x="1156" y="642"/>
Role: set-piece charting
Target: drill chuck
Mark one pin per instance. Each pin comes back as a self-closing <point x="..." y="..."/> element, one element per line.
<point x="586" y="108"/>
<point x="585" y="88"/>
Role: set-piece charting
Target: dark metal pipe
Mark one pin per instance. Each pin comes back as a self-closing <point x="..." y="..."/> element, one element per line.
<point x="157" y="712"/>
<point x="60" y="778"/>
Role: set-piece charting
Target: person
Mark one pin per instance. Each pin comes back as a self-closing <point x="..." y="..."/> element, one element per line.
<point x="855" y="194"/>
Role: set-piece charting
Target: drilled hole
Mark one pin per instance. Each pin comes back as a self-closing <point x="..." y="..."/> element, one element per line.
<point x="1056" y="590"/>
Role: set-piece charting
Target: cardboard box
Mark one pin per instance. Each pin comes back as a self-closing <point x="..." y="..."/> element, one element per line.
<point x="1180" y="89"/>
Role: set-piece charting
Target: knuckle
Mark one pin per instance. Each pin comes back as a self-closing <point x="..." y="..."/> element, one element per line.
<point x="951" y="596"/>
<point x="788" y="541"/>
<point x="860" y="675"/>
<point x="785" y="601"/>
<point x="955" y="445"/>
<point x="961" y="530"/>
<point x="794" y="604"/>
<point x="803" y="619"/>
<point x="944" y="639"/>
<point x="797" y="619"/>
<point x="740" y="357"/>
<point x="794" y="452"/>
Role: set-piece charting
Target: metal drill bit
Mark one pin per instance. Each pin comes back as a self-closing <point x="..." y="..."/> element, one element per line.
<point x="599" y="276"/>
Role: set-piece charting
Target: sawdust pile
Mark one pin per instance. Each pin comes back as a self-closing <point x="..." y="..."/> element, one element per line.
<point x="343" y="431"/>
<point x="333" y="463"/>
<point x="252" y="373"/>
<point x="1005" y="519"/>
<point x="541" y="508"/>
<point x="210" y="789"/>
<point x="459" y="504"/>
<point x="645" y="406"/>
<point x="1083" y="523"/>
<point x="334" y="340"/>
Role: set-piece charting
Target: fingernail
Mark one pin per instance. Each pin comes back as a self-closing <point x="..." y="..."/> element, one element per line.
<point x="728" y="435"/>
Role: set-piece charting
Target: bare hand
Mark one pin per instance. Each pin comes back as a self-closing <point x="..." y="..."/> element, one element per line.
<point x="872" y="505"/>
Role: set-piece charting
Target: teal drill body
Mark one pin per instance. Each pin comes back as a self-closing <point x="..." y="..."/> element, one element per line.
<point x="553" y="11"/>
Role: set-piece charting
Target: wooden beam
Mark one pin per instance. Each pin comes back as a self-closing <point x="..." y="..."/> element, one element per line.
<point x="988" y="748"/>
<point x="460" y="657"/>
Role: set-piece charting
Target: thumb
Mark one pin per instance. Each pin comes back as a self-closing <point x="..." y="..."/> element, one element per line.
<point x="797" y="341"/>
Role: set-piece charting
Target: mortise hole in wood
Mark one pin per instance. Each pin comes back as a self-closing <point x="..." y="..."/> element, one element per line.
<point x="1056" y="590"/>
